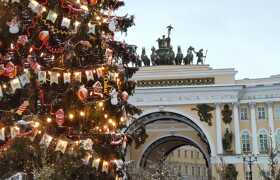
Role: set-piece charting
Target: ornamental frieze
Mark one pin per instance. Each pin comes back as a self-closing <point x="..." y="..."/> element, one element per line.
<point x="176" y="82"/>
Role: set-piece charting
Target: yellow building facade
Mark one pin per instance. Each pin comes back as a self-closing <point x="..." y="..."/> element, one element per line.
<point x="193" y="106"/>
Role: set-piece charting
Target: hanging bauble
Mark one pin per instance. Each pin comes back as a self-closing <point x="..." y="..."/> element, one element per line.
<point x="82" y="93"/>
<point x="44" y="36"/>
<point x="59" y="116"/>
<point x="11" y="70"/>
<point x="92" y="1"/>
<point x="125" y="95"/>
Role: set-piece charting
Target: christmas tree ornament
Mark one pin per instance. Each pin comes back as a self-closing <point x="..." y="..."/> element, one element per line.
<point x="33" y="64"/>
<point x="91" y="28"/>
<point x="11" y="70"/>
<point x="113" y="24"/>
<point x="46" y="140"/>
<point x="22" y="107"/>
<point x="82" y="93"/>
<point x="51" y="16"/>
<point x="59" y="117"/>
<point x="92" y="1"/>
<point x="22" y="40"/>
<point x="44" y="36"/>
<point x="87" y="144"/>
<point x="105" y="166"/>
<point x="65" y="22"/>
<point x="114" y="97"/>
<point x="14" y="25"/>
<point x="61" y="146"/>
<point x="2" y="134"/>
<point x="125" y="95"/>
<point x="14" y="131"/>
<point x="24" y="80"/>
<point x="97" y="88"/>
<point x="15" y="84"/>
<point x="95" y="162"/>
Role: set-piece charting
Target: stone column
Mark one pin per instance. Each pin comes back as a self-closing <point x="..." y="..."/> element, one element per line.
<point x="254" y="129"/>
<point x="270" y="122"/>
<point x="236" y="128"/>
<point x="219" y="129"/>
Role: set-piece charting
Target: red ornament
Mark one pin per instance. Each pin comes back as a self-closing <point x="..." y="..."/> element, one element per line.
<point x="82" y="93"/>
<point x="125" y="95"/>
<point x="44" y="36"/>
<point x="92" y="1"/>
<point x="59" y="116"/>
<point x="11" y="70"/>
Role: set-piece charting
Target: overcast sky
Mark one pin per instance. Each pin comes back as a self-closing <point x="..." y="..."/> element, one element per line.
<point x="240" y="34"/>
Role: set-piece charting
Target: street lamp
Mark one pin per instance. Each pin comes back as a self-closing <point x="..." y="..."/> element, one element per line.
<point x="250" y="160"/>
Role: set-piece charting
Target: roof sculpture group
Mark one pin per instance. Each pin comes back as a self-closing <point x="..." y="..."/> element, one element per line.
<point x="165" y="55"/>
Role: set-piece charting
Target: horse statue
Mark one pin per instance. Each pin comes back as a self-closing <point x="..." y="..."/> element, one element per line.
<point x="179" y="56"/>
<point x="145" y="58"/>
<point x="189" y="58"/>
<point x="154" y="57"/>
<point x="171" y="55"/>
<point x="138" y="61"/>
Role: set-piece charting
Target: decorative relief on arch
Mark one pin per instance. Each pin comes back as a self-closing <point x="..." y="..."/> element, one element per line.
<point x="176" y="82"/>
<point x="227" y="113"/>
<point x="203" y="111"/>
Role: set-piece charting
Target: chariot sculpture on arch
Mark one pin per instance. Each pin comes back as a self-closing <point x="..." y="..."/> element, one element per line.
<point x="165" y="55"/>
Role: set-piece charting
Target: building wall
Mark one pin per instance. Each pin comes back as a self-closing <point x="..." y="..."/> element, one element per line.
<point x="238" y="94"/>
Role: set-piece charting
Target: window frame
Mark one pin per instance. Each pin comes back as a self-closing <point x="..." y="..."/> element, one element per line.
<point x="277" y="111"/>
<point x="243" y="114"/>
<point x="261" y="112"/>
<point x="263" y="141"/>
<point x="246" y="142"/>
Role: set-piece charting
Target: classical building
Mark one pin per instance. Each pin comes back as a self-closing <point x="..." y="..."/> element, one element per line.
<point x="208" y="109"/>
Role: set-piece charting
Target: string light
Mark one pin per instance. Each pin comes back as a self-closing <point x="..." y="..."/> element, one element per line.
<point x="49" y="120"/>
<point x="71" y="116"/>
<point x="82" y="113"/>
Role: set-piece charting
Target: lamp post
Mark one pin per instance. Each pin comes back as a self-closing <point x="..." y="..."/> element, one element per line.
<point x="249" y="159"/>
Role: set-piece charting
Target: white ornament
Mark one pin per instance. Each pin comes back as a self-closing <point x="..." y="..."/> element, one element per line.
<point x="14" y="26"/>
<point x="113" y="24"/>
<point x="87" y="144"/>
<point x="91" y="28"/>
<point x="114" y="97"/>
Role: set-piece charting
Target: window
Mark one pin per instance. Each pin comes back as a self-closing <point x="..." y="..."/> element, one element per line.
<point x="191" y="154"/>
<point x="263" y="141"/>
<point x="277" y="111"/>
<point x="179" y="151"/>
<point x="187" y="170"/>
<point x="261" y="113"/>
<point x="243" y="113"/>
<point x="186" y="153"/>
<point x="193" y="171"/>
<point x="198" y="171"/>
<point x="204" y="171"/>
<point x="197" y="155"/>
<point x="179" y="169"/>
<point x="248" y="176"/>
<point x="278" y="139"/>
<point x="245" y="141"/>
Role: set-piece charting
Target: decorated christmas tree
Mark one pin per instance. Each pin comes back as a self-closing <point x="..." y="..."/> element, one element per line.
<point x="64" y="89"/>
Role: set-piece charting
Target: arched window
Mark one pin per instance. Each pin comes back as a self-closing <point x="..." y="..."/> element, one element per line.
<point x="245" y="141"/>
<point x="263" y="140"/>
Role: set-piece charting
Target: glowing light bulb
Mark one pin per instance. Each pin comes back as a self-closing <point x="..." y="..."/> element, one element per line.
<point x="122" y="119"/>
<point x="49" y="120"/>
<point x="110" y="121"/>
<point x="37" y="124"/>
<point x="71" y="116"/>
<point x="100" y="104"/>
<point x="82" y="113"/>
<point x="106" y="115"/>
